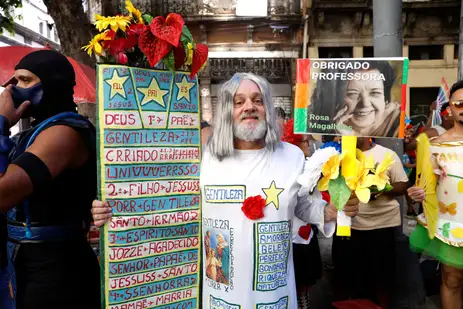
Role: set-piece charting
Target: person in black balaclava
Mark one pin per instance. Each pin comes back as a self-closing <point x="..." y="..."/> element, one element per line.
<point x="47" y="184"/>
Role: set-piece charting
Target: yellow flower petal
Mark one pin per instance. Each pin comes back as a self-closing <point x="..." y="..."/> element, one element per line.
<point x="351" y="182"/>
<point x="460" y="186"/>
<point x="323" y="184"/>
<point x="368" y="181"/>
<point x="98" y="48"/>
<point x="363" y="194"/>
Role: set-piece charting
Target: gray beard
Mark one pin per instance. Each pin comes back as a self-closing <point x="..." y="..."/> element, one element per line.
<point x="250" y="132"/>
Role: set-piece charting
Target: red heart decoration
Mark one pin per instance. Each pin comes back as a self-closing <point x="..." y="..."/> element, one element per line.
<point x="304" y="231"/>
<point x="154" y="48"/>
<point x="199" y="58"/>
<point x="169" y="29"/>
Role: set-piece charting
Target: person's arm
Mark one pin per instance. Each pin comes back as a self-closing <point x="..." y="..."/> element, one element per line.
<point x="56" y="149"/>
<point x="410" y="165"/>
<point x="398" y="189"/>
<point x="431" y="132"/>
<point x="398" y="179"/>
<point x="322" y="215"/>
<point x="432" y="108"/>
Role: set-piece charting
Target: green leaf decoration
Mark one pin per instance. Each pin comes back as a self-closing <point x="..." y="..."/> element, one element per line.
<point x="187" y="33"/>
<point x="169" y="60"/>
<point x="147" y="18"/>
<point x="387" y="188"/>
<point x="446" y="227"/>
<point x="339" y="192"/>
<point x="446" y="233"/>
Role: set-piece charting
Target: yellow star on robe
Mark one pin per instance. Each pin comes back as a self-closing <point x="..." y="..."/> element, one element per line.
<point x="153" y="93"/>
<point x="272" y="194"/>
<point x="116" y="83"/>
<point x="184" y="89"/>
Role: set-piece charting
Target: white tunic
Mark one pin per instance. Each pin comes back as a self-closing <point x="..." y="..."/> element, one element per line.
<point x="248" y="263"/>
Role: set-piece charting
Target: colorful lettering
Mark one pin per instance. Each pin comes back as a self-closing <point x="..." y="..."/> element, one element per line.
<point x="149" y="154"/>
<point x="272" y="246"/>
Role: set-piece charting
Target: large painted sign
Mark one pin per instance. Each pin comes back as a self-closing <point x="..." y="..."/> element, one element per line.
<point x="351" y="97"/>
<point x="149" y="164"/>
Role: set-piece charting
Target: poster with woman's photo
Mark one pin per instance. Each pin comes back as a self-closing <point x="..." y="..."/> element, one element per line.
<point x="361" y="97"/>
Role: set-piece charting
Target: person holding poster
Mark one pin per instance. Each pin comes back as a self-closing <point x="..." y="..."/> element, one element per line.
<point x="354" y="97"/>
<point x="248" y="206"/>
<point x="440" y="229"/>
<point x="50" y="261"/>
<point x="368" y="257"/>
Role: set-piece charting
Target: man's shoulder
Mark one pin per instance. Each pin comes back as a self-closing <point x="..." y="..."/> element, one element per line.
<point x="289" y="152"/>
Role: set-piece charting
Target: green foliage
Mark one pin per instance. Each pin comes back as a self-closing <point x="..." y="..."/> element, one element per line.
<point x="169" y="61"/>
<point x="339" y="192"/>
<point x="147" y="18"/>
<point x="446" y="229"/>
<point x="7" y="15"/>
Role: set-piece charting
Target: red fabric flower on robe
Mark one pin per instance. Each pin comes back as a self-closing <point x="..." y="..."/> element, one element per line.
<point x="253" y="207"/>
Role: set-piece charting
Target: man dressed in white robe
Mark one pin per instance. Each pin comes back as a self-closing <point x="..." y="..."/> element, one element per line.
<point x="249" y="196"/>
<point x="245" y="163"/>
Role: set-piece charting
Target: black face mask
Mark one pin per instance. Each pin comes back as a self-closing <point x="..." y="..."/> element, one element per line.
<point x="54" y="95"/>
<point x="33" y="94"/>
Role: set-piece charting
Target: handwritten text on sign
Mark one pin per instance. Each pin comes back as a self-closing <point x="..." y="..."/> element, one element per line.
<point x="149" y="156"/>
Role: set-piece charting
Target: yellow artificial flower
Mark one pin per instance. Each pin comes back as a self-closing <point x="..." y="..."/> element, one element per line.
<point x="330" y="170"/>
<point x="381" y="170"/>
<point x="95" y="44"/>
<point x="189" y="55"/>
<point x="134" y="12"/>
<point x="115" y="22"/>
<point x="361" y="181"/>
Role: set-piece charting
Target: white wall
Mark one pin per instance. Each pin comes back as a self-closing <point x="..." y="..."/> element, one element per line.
<point x="33" y="15"/>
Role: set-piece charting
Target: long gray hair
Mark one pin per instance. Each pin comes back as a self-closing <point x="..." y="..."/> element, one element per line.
<point x="220" y="144"/>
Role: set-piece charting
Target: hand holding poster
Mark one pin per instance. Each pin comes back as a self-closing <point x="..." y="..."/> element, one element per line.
<point x="351" y="97"/>
<point x="360" y="97"/>
<point x="149" y="155"/>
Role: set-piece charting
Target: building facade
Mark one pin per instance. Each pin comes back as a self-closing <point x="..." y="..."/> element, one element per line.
<point x="270" y="43"/>
<point x="33" y="27"/>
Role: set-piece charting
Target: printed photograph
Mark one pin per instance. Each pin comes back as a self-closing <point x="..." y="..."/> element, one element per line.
<point x="361" y="97"/>
<point x="217" y="255"/>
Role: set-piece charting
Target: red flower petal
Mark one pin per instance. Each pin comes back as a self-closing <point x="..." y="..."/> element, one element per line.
<point x="326" y="196"/>
<point x="130" y="42"/>
<point x="116" y="46"/>
<point x="122" y="58"/>
<point x="304" y="231"/>
<point x="168" y="30"/>
<point x="288" y="134"/>
<point x="199" y="58"/>
<point x="135" y="29"/>
<point x="253" y="207"/>
<point x="154" y="48"/>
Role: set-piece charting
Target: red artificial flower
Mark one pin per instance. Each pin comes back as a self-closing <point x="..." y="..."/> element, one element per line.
<point x="122" y="58"/>
<point x="133" y="32"/>
<point x="253" y="207"/>
<point x="304" y="231"/>
<point x="199" y="58"/>
<point x="326" y="196"/>
<point x="116" y="46"/>
<point x="153" y="48"/>
<point x="169" y="29"/>
<point x="135" y="29"/>
<point x="288" y="134"/>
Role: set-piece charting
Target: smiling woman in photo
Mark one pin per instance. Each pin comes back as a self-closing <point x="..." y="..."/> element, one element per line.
<point x="365" y="105"/>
